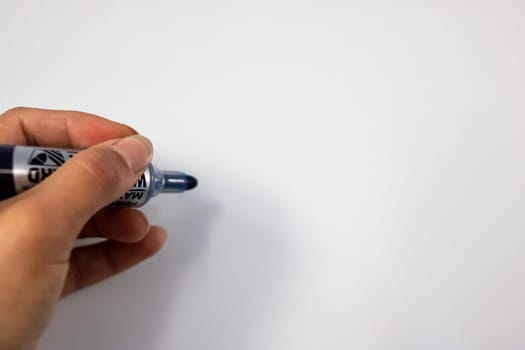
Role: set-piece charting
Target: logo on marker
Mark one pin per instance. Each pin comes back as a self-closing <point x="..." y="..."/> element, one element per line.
<point x="47" y="157"/>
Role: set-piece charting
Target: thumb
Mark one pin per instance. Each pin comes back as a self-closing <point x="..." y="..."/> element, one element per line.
<point x="92" y="179"/>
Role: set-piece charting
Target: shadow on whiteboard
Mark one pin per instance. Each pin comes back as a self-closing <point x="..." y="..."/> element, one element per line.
<point x="224" y="263"/>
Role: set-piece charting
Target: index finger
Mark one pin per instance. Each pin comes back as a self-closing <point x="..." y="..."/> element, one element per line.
<point x="68" y="129"/>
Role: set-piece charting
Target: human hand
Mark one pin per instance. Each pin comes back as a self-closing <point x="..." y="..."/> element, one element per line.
<point x="38" y="228"/>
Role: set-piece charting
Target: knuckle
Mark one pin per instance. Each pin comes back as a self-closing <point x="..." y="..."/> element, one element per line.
<point x="15" y="111"/>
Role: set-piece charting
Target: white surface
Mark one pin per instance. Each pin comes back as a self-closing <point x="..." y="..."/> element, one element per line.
<point x="361" y="166"/>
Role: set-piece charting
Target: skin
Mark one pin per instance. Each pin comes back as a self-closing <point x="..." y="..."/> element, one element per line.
<point x="38" y="228"/>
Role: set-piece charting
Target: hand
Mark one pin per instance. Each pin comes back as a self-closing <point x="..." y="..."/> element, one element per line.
<point x="38" y="228"/>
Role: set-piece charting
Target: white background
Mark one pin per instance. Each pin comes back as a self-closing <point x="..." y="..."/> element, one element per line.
<point x="361" y="167"/>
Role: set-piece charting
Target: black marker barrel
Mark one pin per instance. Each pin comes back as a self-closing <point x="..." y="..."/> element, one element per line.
<point x="7" y="184"/>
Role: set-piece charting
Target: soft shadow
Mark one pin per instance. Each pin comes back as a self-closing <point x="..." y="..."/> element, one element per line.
<point x="225" y="261"/>
<point x="126" y="311"/>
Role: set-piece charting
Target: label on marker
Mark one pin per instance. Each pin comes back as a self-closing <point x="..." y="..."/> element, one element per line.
<point x="32" y="165"/>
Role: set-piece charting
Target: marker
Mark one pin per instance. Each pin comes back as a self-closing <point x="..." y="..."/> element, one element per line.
<point x="22" y="167"/>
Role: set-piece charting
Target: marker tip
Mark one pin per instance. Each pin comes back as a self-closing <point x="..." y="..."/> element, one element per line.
<point x="191" y="182"/>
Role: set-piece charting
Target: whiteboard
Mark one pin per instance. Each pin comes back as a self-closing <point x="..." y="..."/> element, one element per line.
<point x="361" y="167"/>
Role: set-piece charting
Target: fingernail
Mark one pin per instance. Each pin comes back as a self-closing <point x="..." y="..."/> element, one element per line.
<point x="164" y="234"/>
<point x="136" y="150"/>
<point x="161" y="229"/>
<point x="146" y="221"/>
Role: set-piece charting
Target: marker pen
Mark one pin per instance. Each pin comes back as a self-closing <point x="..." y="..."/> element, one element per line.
<point x="22" y="167"/>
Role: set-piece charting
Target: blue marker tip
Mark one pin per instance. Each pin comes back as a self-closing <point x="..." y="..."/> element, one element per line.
<point x="191" y="182"/>
<point x="175" y="181"/>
